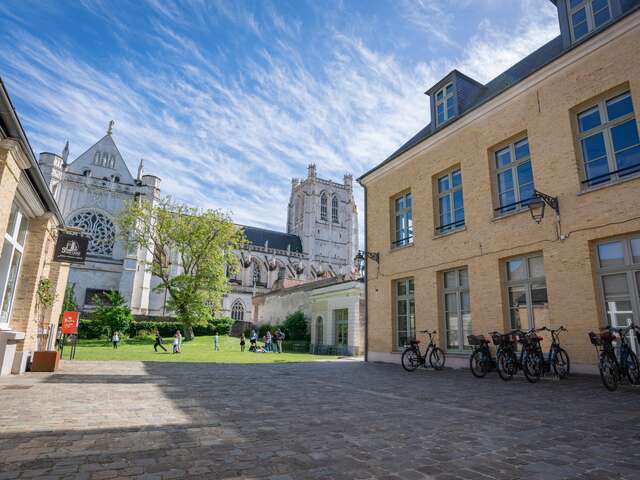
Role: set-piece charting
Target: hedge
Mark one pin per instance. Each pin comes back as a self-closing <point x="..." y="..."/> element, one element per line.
<point x="90" y="328"/>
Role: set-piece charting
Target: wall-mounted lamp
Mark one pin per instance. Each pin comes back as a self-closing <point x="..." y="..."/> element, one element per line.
<point x="538" y="202"/>
<point x="362" y="255"/>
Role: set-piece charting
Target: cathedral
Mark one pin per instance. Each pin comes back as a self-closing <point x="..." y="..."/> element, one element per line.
<point x="321" y="240"/>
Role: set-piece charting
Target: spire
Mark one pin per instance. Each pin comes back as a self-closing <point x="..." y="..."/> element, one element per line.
<point x="110" y="129"/>
<point x="65" y="153"/>
<point x="141" y="169"/>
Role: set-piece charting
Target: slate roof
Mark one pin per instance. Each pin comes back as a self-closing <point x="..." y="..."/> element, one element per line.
<point x="278" y="240"/>
<point x="518" y="72"/>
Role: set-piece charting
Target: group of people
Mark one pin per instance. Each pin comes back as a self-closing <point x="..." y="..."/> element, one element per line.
<point x="177" y="342"/>
<point x="272" y="342"/>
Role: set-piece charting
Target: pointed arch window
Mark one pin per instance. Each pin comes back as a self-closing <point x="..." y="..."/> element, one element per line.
<point x="323" y="206"/>
<point x="237" y="311"/>
<point x="334" y="209"/>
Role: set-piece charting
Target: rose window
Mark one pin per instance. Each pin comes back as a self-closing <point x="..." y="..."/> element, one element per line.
<point x="101" y="230"/>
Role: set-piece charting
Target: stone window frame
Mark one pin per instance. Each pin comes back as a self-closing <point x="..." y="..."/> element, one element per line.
<point x="319" y="330"/>
<point x="510" y="144"/>
<point x="335" y="204"/>
<point x="341" y="327"/>
<point x="450" y="192"/>
<point x="600" y="103"/>
<point x="14" y="238"/>
<point x="238" y="310"/>
<point x="406" y="214"/>
<point x="442" y="98"/>
<point x="630" y="269"/>
<point x="324" y="215"/>
<point x="459" y="289"/>
<point x="587" y="6"/>
<point x="528" y="283"/>
<point x="106" y="248"/>
<point x="407" y="298"/>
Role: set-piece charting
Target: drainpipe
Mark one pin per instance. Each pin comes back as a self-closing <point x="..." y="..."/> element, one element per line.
<point x="366" y="283"/>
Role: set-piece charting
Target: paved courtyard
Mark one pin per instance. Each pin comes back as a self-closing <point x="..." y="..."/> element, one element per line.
<point x="311" y="421"/>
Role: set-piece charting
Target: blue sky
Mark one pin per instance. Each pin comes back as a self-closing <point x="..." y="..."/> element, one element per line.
<point x="228" y="100"/>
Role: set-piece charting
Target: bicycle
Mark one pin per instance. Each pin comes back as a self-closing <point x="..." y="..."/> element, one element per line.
<point x="480" y="361"/>
<point x="531" y="356"/>
<point x="412" y="358"/>
<point x="612" y="370"/>
<point x="558" y="358"/>
<point x="507" y="363"/>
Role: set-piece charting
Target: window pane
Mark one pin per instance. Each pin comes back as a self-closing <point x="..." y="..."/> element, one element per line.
<point x="407" y="201"/>
<point x="601" y="13"/>
<point x="525" y="181"/>
<point x="580" y="27"/>
<point x="449" y="89"/>
<point x="516" y="270"/>
<point x="456" y="178"/>
<point x="440" y="95"/>
<point x="443" y="184"/>
<point x="635" y="250"/>
<point x="593" y="147"/>
<point x="450" y="280"/>
<point x="536" y="267"/>
<point x="619" y="106"/>
<point x="505" y="181"/>
<point x="440" y="109"/>
<point x="628" y="161"/>
<point x="11" y="284"/>
<point x="458" y="201"/>
<point x="445" y="210"/>
<point x="626" y="146"/>
<point x="518" y="312"/>
<point x="611" y="254"/>
<point x="451" y="303"/>
<point x="615" y="285"/>
<point x="540" y="305"/>
<point x="589" y="119"/>
<point x="507" y="201"/>
<point x="451" y="316"/>
<point x="402" y="308"/>
<point x="464" y="276"/>
<point x="411" y="287"/>
<point x="503" y="157"/>
<point x="468" y="328"/>
<point x="575" y="3"/>
<point x="399" y="204"/>
<point x="13" y="215"/>
<point x="450" y="108"/>
<point x="619" y="312"/>
<point x="402" y="289"/>
<point x="522" y="149"/>
<point x="464" y="302"/>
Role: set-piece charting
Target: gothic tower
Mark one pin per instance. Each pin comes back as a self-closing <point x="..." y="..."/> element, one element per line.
<point x="323" y="214"/>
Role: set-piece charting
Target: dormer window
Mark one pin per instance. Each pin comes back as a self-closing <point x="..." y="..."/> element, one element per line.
<point x="587" y="15"/>
<point x="445" y="104"/>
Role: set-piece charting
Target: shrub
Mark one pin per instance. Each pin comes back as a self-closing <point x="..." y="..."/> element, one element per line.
<point x="113" y="314"/>
<point x="88" y="329"/>
<point x="295" y="326"/>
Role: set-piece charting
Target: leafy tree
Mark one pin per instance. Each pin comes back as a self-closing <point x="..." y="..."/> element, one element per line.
<point x="199" y="245"/>
<point x="296" y="326"/>
<point x="113" y="315"/>
<point x="69" y="301"/>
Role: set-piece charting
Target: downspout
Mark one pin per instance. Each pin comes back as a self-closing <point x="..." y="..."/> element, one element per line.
<point x="366" y="283"/>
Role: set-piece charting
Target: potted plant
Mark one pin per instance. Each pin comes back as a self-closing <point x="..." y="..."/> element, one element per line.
<point x="44" y="360"/>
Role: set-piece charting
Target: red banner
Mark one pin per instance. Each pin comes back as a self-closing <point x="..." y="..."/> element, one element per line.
<point x="70" y="323"/>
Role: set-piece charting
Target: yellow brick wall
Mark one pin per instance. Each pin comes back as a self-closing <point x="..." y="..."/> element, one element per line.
<point x="544" y="114"/>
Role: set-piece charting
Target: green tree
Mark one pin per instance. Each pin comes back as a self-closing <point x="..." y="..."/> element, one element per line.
<point x="187" y="250"/>
<point x="69" y="301"/>
<point x="113" y="315"/>
<point x="296" y="326"/>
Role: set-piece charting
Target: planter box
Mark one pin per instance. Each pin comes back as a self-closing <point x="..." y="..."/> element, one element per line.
<point x="45" y="361"/>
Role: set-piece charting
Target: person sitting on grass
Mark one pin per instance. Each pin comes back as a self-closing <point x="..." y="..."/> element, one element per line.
<point x="158" y="342"/>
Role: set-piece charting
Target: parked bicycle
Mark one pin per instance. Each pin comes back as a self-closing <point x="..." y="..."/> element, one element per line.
<point x="613" y="368"/>
<point x="412" y="357"/>
<point x="558" y="358"/>
<point x="481" y="361"/>
<point x="507" y="363"/>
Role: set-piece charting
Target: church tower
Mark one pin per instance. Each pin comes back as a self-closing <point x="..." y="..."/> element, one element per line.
<point x="323" y="214"/>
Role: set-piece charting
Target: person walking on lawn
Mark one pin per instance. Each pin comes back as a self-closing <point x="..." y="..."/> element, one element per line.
<point x="254" y="341"/>
<point x="158" y="342"/>
<point x="279" y="340"/>
<point x="115" y="339"/>
<point x="176" y="342"/>
<point x="216" y="341"/>
<point x="242" y="341"/>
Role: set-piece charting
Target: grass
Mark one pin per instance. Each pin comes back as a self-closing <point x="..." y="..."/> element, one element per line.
<point x="200" y="350"/>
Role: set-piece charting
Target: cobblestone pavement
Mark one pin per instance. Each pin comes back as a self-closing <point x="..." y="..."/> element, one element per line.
<point x="311" y="421"/>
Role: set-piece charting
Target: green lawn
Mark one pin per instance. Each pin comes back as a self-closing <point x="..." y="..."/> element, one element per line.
<point x="199" y="349"/>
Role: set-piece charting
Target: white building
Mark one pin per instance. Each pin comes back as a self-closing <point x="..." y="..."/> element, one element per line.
<point x="321" y="239"/>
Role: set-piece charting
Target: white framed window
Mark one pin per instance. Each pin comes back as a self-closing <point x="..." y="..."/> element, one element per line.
<point x="609" y="143"/>
<point x="403" y="223"/>
<point x="514" y="176"/>
<point x="319" y="331"/>
<point x="405" y="312"/>
<point x="445" y="104"/>
<point x="587" y="15"/>
<point x="450" y="202"/>
<point x="526" y="291"/>
<point x="334" y="209"/>
<point x="341" y="323"/>
<point x="10" y="260"/>
<point x="323" y="206"/>
<point x="457" y="309"/>
<point x="237" y="311"/>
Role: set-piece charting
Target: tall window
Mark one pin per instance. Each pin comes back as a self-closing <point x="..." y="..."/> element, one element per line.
<point x="323" y="206"/>
<point x="299" y="208"/>
<point x="403" y="221"/>
<point x="450" y="202"/>
<point x="527" y="292"/>
<point x="334" y="209"/>
<point x="457" y="309"/>
<point x="619" y="271"/>
<point x="10" y="257"/>
<point x="405" y="312"/>
<point x="587" y="15"/>
<point x="608" y="136"/>
<point x="255" y="271"/>
<point x="101" y="230"/>
<point x="341" y="320"/>
<point x="445" y="104"/>
<point x="514" y="176"/>
<point x="237" y="311"/>
<point x="319" y="331"/>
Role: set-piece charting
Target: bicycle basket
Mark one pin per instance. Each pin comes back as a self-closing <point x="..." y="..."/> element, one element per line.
<point x="476" y="340"/>
<point x="598" y="340"/>
<point x="500" y="340"/>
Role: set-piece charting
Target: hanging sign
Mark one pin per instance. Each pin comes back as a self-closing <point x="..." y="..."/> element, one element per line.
<point x="70" y="247"/>
<point x="70" y="323"/>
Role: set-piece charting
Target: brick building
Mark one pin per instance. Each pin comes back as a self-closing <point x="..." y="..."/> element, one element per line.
<point x="29" y="218"/>
<point x="449" y="212"/>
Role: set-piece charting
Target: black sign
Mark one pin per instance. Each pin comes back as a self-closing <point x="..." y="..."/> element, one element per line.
<point x="71" y="248"/>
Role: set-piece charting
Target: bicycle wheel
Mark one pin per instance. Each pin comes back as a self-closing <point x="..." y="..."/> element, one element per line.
<point x="633" y="369"/>
<point x="410" y="359"/>
<point x="608" y="371"/>
<point x="437" y="358"/>
<point x="478" y="363"/>
<point x="561" y="363"/>
<point x="532" y="366"/>
<point x="507" y="365"/>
